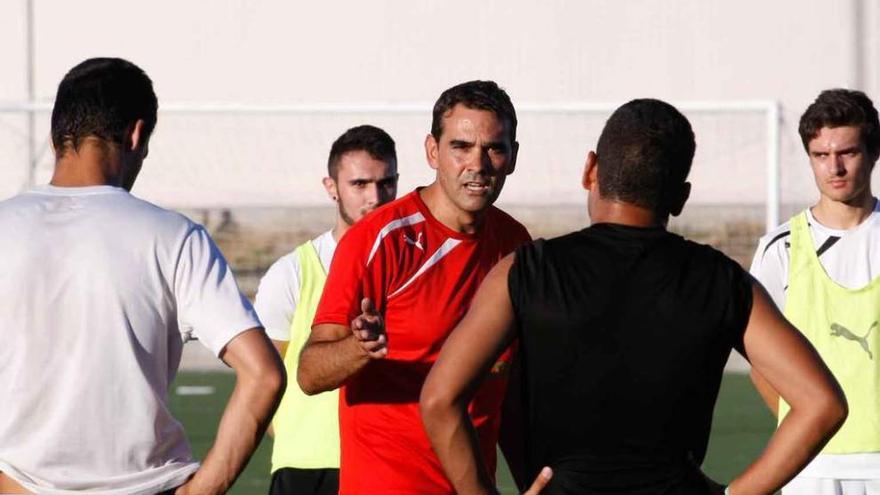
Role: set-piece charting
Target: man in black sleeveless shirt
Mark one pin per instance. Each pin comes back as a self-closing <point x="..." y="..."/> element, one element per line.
<point x="624" y="330"/>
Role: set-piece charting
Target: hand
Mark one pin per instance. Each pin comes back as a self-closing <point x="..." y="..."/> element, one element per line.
<point x="369" y="330"/>
<point x="540" y="481"/>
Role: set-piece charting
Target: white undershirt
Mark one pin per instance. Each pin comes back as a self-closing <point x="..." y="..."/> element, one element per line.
<point x="278" y="293"/>
<point x="852" y="261"/>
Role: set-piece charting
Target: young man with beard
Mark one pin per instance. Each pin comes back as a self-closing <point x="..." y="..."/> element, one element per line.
<point x="623" y="332"/>
<point x="362" y="175"/>
<point x="98" y="289"/>
<point x="822" y="268"/>
<point x="416" y="262"/>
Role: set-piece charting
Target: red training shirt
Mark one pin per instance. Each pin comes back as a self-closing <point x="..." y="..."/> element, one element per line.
<point x="421" y="276"/>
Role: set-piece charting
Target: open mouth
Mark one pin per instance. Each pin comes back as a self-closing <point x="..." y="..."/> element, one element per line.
<point x="478" y="187"/>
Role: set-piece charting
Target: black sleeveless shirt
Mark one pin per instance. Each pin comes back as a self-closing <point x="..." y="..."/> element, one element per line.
<point x="624" y="333"/>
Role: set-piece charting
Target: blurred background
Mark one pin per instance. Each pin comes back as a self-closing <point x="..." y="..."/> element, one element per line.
<point x="252" y="93"/>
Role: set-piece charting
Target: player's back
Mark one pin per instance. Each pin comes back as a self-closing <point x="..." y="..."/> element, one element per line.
<point x="90" y="338"/>
<point x="624" y="333"/>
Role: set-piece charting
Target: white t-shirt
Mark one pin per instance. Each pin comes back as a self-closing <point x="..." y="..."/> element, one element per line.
<point x="278" y="293"/>
<point x="96" y="289"/>
<point x="852" y="259"/>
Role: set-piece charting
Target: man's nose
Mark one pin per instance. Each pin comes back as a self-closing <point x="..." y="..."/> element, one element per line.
<point x="372" y="193"/>
<point x="837" y="165"/>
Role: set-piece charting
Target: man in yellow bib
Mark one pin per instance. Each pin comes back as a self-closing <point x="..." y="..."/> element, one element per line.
<point x="362" y="175"/>
<point x="822" y="268"/>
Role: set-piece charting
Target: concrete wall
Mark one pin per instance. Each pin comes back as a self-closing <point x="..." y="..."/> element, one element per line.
<point x="275" y="51"/>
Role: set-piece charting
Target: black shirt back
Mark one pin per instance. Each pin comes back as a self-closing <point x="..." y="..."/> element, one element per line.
<point x="624" y="333"/>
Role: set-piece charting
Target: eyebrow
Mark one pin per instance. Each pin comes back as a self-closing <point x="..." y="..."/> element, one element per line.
<point x="848" y="149"/>
<point x="490" y="144"/>
<point x="378" y="179"/>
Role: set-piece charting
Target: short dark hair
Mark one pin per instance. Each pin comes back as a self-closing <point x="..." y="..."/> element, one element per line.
<point x="839" y="108"/>
<point x="101" y="97"/>
<point x="644" y="151"/>
<point x="478" y="95"/>
<point x="376" y="142"/>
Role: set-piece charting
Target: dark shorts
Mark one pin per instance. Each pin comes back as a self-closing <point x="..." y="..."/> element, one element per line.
<point x="287" y="481"/>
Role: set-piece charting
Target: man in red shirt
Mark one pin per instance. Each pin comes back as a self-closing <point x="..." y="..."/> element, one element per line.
<point x="420" y="260"/>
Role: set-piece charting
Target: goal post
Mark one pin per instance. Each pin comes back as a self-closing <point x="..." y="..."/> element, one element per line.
<point x="212" y="155"/>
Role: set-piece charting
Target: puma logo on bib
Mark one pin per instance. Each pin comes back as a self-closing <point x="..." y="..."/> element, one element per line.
<point x="838" y="330"/>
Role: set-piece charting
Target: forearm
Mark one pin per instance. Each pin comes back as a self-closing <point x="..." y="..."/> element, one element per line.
<point x="800" y="436"/>
<point x="454" y="440"/>
<point x="244" y="421"/>
<point x="327" y="365"/>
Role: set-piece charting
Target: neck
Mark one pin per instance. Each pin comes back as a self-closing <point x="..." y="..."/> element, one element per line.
<point x="340" y="228"/>
<point x="608" y="211"/>
<point x="90" y="165"/>
<point x="447" y="213"/>
<point x="843" y="215"/>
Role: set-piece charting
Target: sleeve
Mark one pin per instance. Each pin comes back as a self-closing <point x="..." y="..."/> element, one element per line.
<point x="770" y="267"/>
<point x="357" y="271"/>
<point x="209" y="303"/>
<point x="277" y="297"/>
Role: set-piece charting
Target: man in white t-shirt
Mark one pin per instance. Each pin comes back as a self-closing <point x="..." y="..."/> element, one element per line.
<point x="362" y="175"/>
<point x="822" y="268"/>
<point x="97" y="289"/>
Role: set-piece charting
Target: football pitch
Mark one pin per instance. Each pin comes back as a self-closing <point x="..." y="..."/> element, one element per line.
<point x="739" y="431"/>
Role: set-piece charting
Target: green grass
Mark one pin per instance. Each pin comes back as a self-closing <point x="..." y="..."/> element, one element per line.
<point x="740" y="430"/>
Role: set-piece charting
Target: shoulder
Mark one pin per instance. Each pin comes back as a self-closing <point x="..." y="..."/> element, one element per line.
<point x="379" y="223"/>
<point x="144" y="214"/>
<point x="773" y="248"/>
<point x="775" y="237"/>
<point x="284" y="268"/>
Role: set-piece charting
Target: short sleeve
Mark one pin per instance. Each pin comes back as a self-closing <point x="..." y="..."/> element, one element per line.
<point x="209" y="303"/>
<point x="357" y="271"/>
<point x="277" y="297"/>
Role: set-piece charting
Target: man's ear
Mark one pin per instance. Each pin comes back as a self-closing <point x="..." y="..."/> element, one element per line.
<point x="330" y="187"/>
<point x="590" y="178"/>
<point x="514" y="152"/>
<point x="136" y="136"/>
<point x="432" y="151"/>
<point x="678" y="204"/>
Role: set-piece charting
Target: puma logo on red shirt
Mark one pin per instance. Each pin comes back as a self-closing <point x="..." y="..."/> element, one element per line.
<point x="417" y="243"/>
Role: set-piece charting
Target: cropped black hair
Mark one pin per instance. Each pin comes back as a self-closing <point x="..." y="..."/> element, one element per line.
<point x="376" y="142"/>
<point x="102" y="97"/>
<point x="478" y="95"/>
<point x="839" y="108"/>
<point x="645" y="152"/>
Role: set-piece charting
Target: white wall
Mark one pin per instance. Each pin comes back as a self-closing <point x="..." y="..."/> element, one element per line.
<point x="275" y="51"/>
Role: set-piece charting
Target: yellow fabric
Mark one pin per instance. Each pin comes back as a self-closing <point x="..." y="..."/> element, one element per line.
<point x="306" y="428"/>
<point x="842" y="325"/>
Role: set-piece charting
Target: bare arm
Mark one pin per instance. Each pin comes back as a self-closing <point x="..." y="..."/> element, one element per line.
<point x="510" y="437"/>
<point x="281" y="347"/>
<point x="790" y="365"/>
<point x="770" y="396"/>
<point x="259" y="383"/>
<point x="468" y="354"/>
<point x="334" y="353"/>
